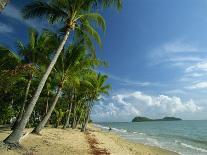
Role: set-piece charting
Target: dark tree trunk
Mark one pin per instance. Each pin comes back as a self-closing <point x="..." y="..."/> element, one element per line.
<point x="42" y="124"/>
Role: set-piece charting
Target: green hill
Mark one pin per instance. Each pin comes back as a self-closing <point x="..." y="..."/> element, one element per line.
<point x="145" y="119"/>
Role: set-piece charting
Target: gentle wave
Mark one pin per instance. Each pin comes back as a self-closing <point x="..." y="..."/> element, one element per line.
<point x="194" y="148"/>
<point x="119" y="130"/>
<point x="188" y="139"/>
<point x="100" y="126"/>
<point x="174" y="136"/>
<point x="115" y="129"/>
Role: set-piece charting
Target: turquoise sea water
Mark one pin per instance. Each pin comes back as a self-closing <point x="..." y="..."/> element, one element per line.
<point x="183" y="137"/>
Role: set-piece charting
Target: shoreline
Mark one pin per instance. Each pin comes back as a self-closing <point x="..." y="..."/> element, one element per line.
<point x="56" y="141"/>
<point x="147" y="149"/>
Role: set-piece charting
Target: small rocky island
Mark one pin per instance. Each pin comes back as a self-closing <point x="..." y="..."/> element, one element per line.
<point x="145" y="119"/>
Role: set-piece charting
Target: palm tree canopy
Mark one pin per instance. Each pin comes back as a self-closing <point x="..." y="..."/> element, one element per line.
<point x="95" y="86"/>
<point x="39" y="47"/>
<point x="9" y="60"/>
<point x="72" y="15"/>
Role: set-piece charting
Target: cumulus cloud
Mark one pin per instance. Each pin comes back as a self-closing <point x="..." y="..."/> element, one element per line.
<point x="5" y="28"/>
<point x="125" y="106"/>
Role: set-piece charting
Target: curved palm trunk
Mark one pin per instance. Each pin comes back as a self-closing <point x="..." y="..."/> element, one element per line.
<point x="14" y="137"/>
<point x="3" y="3"/>
<point x="68" y="117"/>
<point x="24" y="103"/>
<point x="42" y="124"/>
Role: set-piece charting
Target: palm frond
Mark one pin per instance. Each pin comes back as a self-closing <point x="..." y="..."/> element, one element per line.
<point x="95" y="17"/>
<point x="44" y="9"/>
<point x="92" y="32"/>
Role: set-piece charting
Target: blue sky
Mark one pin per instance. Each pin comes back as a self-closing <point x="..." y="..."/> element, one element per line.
<point x="157" y="54"/>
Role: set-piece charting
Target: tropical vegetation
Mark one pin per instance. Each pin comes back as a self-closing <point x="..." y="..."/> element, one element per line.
<point x="52" y="78"/>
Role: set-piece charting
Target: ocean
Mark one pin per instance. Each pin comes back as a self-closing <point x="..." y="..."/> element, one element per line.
<point x="183" y="137"/>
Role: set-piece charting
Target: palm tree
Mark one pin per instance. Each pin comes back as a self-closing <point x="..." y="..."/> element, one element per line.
<point x="74" y="15"/>
<point x="35" y="53"/>
<point x="96" y="88"/>
<point x="3" y="3"/>
<point x="69" y="67"/>
<point x="69" y="93"/>
<point x="9" y="60"/>
<point x="59" y="115"/>
<point x="9" y="72"/>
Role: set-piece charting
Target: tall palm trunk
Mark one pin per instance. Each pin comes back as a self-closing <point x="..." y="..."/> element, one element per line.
<point x="68" y="117"/>
<point x="79" y="117"/>
<point x="41" y="125"/>
<point x="47" y="103"/>
<point x="74" y="116"/>
<point x="74" y="122"/>
<point x="14" y="137"/>
<point x="24" y="103"/>
<point x="85" y="123"/>
<point x="3" y="3"/>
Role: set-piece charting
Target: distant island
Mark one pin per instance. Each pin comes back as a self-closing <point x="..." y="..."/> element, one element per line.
<point x="145" y="119"/>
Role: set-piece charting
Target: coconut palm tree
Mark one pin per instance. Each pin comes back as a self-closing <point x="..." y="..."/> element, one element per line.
<point x="35" y="53"/>
<point x="69" y="67"/>
<point x="8" y="67"/>
<point x="74" y="15"/>
<point x="9" y="60"/>
<point x="96" y="87"/>
<point x="69" y="94"/>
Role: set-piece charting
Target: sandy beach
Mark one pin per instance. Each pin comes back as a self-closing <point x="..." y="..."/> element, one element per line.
<point x="58" y="141"/>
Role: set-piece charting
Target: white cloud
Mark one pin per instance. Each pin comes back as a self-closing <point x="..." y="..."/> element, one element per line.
<point x="200" y="85"/>
<point x="179" y="46"/>
<point x="201" y="66"/>
<point x="196" y="72"/>
<point x="125" y="106"/>
<point x="5" y="28"/>
<point x="175" y="91"/>
<point x="124" y="81"/>
<point x="176" y="53"/>
<point x="15" y="13"/>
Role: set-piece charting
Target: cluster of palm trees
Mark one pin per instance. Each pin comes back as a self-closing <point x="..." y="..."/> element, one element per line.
<point x="54" y="70"/>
